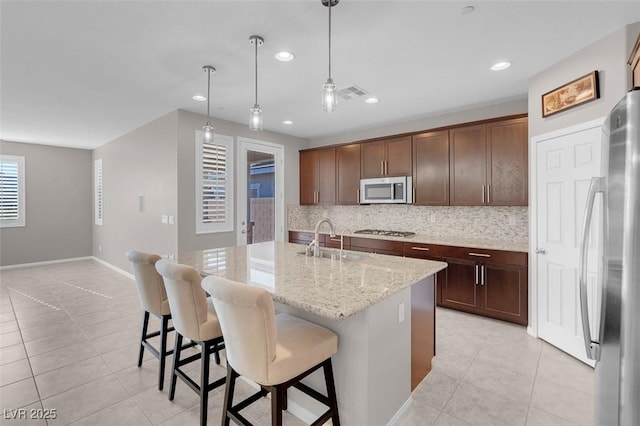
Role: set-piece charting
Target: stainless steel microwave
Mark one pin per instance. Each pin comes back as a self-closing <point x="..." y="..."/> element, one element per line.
<point x="391" y="190"/>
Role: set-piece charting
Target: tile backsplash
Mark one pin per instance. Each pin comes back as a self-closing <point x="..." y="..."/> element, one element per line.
<point x="499" y="223"/>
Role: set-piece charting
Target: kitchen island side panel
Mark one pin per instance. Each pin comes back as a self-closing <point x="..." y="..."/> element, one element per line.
<point x="372" y="368"/>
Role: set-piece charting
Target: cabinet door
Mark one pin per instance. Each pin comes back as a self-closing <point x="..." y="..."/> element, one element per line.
<point x="348" y="174"/>
<point x="326" y="176"/>
<point x="459" y="290"/>
<point x="372" y="159"/>
<point x="468" y="165"/>
<point x="505" y="292"/>
<point x="398" y="157"/>
<point x="308" y="177"/>
<point x="507" y="163"/>
<point x="431" y="169"/>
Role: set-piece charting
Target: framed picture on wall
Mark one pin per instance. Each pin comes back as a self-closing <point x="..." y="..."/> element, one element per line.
<point x="577" y="92"/>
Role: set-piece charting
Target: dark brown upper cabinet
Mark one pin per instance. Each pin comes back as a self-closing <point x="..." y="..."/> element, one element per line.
<point x="348" y="174"/>
<point x="489" y="164"/>
<point x="387" y="157"/>
<point x="468" y="165"/>
<point x="318" y="176"/>
<point x="431" y="169"/>
<point x="507" y="163"/>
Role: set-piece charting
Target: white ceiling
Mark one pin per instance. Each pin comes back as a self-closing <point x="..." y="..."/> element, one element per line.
<point x="80" y="74"/>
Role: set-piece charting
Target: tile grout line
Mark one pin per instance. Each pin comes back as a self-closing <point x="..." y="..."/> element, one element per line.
<point x="33" y="377"/>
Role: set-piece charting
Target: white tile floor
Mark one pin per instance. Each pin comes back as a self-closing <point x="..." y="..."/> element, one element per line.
<point x="69" y="339"/>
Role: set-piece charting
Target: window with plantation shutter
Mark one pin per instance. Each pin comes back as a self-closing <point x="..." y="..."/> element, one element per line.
<point x="214" y="184"/>
<point x="98" y="194"/>
<point x="12" y="206"/>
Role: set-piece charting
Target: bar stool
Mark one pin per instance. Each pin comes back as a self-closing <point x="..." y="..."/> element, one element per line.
<point x="194" y="318"/>
<point x="153" y="299"/>
<point x="274" y="351"/>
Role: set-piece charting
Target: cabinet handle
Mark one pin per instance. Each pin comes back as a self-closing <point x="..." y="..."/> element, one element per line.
<point x="479" y="254"/>
<point x="476" y="275"/>
<point x="488" y="194"/>
<point x="335" y="239"/>
<point x="420" y="248"/>
<point x="482" y="194"/>
<point x="483" y="273"/>
<point x="386" y="168"/>
<point x="382" y="168"/>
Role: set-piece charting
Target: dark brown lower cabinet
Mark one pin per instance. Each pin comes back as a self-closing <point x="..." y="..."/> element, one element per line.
<point x="492" y="283"/>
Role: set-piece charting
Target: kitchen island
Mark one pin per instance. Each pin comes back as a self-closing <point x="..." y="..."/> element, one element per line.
<point x="381" y="307"/>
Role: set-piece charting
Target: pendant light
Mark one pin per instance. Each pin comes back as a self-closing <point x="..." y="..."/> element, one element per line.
<point x="255" y="113"/>
<point x="208" y="128"/>
<point x="329" y="98"/>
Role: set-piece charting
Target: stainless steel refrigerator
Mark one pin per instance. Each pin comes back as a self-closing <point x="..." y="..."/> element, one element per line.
<point x="615" y="346"/>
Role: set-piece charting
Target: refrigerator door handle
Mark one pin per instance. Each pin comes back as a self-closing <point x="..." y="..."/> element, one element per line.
<point x="598" y="184"/>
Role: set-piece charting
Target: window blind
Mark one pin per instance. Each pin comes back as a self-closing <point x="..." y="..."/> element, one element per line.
<point x="11" y="191"/>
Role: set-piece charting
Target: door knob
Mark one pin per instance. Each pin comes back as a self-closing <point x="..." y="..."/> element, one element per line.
<point x="541" y="251"/>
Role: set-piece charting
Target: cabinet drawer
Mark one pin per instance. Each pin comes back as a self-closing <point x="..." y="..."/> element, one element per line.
<point x="303" y="237"/>
<point x="334" y="242"/>
<point x="377" y="246"/>
<point x="422" y="251"/>
<point x="484" y="255"/>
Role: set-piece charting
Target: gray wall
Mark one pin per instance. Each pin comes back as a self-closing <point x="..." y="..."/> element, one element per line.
<point x="142" y="162"/>
<point x="609" y="57"/>
<point x="58" y="205"/>
<point x="188" y="123"/>
<point x="518" y="106"/>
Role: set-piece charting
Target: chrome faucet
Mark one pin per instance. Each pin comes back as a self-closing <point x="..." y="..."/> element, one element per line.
<point x="316" y="245"/>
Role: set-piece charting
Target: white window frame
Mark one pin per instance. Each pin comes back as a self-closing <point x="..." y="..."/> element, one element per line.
<point x="20" y="221"/>
<point x="98" y="193"/>
<point x="228" y="224"/>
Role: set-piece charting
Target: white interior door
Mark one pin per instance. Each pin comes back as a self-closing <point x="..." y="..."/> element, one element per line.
<point x="565" y="165"/>
<point x="260" y="190"/>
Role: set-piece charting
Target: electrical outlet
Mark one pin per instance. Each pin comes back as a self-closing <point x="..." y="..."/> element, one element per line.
<point x="164" y="218"/>
<point x="401" y="313"/>
<point x="172" y="220"/>
<point x="359" y="216"/>
<point x="512" y="219"/>
<point x="432" y="218"/>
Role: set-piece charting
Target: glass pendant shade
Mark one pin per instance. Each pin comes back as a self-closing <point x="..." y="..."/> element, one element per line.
<point x="329" y="97"/>
<point x="255" y="118"/>
<point x="207" y="130"/>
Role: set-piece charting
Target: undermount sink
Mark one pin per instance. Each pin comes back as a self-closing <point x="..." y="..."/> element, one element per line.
<point x="335" y="254"/>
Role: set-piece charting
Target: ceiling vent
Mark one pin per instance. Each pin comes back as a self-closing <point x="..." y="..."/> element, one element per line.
<point x="351" y="92"/>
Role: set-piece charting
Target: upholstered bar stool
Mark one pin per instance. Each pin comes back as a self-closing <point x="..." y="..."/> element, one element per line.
<point x="274" y="351"/>
<point x="195" y="319"/>
<point x="153" y="299"/>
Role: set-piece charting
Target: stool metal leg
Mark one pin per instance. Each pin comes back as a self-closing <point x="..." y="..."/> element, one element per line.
<point x="228" y="394"/>
<point x="204" y="381"/>
<point x="145" y="325"/>
<point x="331" y="391"/>
<point x="164" y="325"/>
<point x="176" y="359"/>
<point x="277" y="396"/>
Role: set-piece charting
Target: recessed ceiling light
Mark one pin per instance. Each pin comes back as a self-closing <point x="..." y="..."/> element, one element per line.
<point x="287" y="122"/>
<point x="199" y="98"/>
<point x="467" y="10"/>
<point x="285" y="56"/>
<point x="371" y="100"/>
<point x="499" y="66"/>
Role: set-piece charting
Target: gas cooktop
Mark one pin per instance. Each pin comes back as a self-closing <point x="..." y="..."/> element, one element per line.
<point x="385" y="233"/>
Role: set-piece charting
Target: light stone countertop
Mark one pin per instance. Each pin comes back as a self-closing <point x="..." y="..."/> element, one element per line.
<point x="331" y="288"/>
<point x="471" y="242"/>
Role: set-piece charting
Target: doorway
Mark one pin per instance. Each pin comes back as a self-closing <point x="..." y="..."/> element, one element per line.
<point x="260" y="192"/>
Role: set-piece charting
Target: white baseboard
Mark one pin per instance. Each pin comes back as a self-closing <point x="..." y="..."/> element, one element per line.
<point x="300" y="412"/>
<point x="400" y="413"/>
<point x="46" y="262"/>
<point x="115" y="268"/>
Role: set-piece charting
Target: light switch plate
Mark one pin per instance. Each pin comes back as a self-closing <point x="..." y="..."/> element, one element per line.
<point x="401" y="313"/>
<point x="164" y="218"/>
